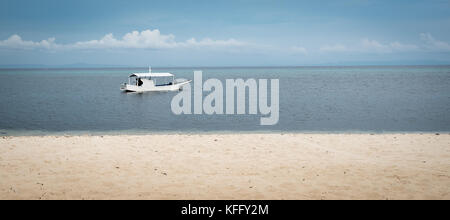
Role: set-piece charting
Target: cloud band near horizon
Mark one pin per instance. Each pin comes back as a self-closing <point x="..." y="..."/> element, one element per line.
<point x="147" y="39"/>
<point x="153" y="39"/>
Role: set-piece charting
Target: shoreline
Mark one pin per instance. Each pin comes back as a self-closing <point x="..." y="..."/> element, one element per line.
<point x="39" y="133"/>
<point x="226" y="166"/>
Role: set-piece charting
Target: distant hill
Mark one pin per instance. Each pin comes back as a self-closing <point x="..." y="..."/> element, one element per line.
<point x="75" y="65"/>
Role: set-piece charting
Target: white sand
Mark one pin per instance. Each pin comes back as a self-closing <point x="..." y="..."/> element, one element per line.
<point x="226" y="166"/>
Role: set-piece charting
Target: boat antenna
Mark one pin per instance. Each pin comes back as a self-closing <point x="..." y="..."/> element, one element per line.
<point x="149" y="69"/>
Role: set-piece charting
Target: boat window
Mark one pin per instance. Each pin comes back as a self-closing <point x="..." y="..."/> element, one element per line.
<point x="133" y="81"/>
<point x="163" y="81"/>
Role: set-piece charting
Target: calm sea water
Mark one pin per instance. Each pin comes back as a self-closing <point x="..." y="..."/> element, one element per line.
<point x="312" y="99"/>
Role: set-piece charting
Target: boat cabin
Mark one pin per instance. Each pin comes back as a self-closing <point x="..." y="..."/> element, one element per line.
<point x="156" y="79"/>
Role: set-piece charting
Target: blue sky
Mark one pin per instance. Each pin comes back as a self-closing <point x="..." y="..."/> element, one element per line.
<point x="224" y="33"/>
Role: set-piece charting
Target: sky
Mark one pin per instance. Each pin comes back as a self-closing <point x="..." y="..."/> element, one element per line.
<point x="224" y="33"/>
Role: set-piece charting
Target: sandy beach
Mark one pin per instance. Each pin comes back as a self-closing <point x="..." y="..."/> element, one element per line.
<point x="226" y="166"/>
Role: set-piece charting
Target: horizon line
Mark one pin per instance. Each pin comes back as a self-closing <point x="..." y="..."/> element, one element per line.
<point x="62" y="67"/>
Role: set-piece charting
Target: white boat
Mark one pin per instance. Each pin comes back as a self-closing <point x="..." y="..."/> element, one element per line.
<point x="148" y="82"/>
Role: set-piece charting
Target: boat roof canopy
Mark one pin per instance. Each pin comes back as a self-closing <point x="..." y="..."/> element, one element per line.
<point x="142" y="75"/>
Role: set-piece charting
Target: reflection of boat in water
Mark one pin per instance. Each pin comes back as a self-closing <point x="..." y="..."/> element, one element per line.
<point x="147" y="82"/>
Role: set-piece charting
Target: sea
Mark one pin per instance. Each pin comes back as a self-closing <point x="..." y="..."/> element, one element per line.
<point x="335" y="99"/>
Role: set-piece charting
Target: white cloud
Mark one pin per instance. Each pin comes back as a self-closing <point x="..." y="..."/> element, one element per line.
<point x="374" y="46"/>
<point x="434" y="44"/>
<point x="397" y="46"/>
<point x="147" y="39"/>
<point x="370" y="46"/>
<point x="16" y="42"/>
<point x="207" y="42"/>
<point x="301" y="50"/>
<point x="334" y="48"/>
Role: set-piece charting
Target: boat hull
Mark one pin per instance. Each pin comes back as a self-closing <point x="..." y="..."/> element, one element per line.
<point x="162" y="88"/>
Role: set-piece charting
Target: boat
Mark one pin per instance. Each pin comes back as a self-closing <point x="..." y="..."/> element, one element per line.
<point x="148" y="82"/>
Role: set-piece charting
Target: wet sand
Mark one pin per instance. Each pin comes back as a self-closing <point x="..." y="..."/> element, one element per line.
<point x="226" y="166"/>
